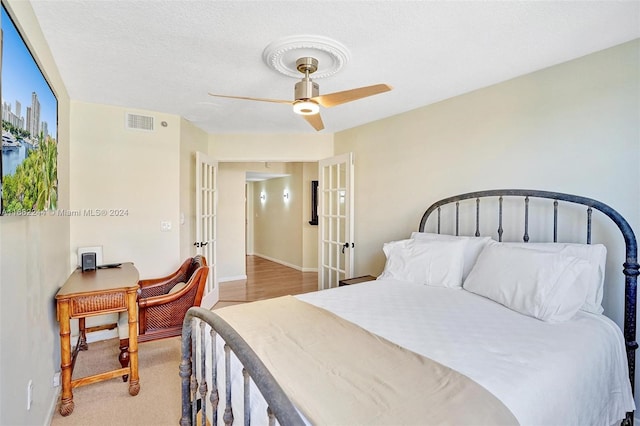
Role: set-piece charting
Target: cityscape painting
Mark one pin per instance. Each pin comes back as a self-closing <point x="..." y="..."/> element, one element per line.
<point x="29" y="181"/>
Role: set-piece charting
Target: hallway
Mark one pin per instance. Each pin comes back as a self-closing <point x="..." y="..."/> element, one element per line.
<point x="265" y="280"/>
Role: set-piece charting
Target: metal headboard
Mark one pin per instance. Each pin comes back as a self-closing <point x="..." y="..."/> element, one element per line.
<point x="630" y="266"/>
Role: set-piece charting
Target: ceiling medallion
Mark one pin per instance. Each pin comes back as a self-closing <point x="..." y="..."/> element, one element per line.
<point x="281" y="55"/>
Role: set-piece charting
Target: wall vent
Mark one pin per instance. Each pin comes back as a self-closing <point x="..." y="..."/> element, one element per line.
<point x="139" y="122"/>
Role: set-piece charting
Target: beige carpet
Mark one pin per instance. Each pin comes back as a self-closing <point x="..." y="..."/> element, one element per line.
<point x="109" y="402"/>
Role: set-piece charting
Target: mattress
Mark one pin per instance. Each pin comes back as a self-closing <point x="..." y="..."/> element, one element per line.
<point x="570" y="373"/>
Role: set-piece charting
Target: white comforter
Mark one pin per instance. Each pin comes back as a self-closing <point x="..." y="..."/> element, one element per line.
<point x="571" y="373"/>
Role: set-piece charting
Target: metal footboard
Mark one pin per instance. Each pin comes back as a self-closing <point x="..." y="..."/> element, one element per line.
<point x="200" y="330"/>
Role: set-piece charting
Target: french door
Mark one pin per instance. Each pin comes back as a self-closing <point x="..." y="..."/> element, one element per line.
<point x="206" y="222"/>
<point x="335" y="217"/>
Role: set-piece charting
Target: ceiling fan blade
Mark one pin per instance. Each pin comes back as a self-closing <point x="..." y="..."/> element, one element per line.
<point x="315" y="120"/>
<point x="277" y="101"/>
<point x="337" y="98"/>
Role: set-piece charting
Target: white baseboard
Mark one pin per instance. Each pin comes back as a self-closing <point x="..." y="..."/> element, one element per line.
<point x="97" y="336"/>
<point x="289" y="265"/>
<point x="232" y="278"/>
<point x="281" y="262"/>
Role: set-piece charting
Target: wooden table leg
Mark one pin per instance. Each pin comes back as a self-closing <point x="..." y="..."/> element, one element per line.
<point x="132" y="310"/>
<point x="66" y="406"/>
<point x="82" y="342"/>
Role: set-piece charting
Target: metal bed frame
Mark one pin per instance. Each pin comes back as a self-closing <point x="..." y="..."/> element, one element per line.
<point x="630" y="266"/>
<point x="194" y="392"/>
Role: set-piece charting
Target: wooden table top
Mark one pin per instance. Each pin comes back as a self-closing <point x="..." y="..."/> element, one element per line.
<point x="123" y="277"/>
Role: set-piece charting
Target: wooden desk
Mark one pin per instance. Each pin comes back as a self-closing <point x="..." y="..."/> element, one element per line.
<point x="94" y="293"/>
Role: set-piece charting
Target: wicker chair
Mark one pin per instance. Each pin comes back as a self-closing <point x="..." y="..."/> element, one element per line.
<point x="163" y="303"/>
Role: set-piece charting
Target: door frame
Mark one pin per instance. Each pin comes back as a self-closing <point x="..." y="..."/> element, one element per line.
<point x="206" y="223"/>
<point x="336" y="230"/>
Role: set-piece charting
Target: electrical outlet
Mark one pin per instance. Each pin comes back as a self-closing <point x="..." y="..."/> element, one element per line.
<point x="29" y="394"/>
<point x="56" y="379"/>
<point x="165" y="226"/>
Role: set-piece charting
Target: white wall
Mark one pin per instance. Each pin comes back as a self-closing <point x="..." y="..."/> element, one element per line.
<point x="134" y="170"/>
<point x="231" y="242"/>
<point x="34" y="263"/>
<point x="571" y="128"/>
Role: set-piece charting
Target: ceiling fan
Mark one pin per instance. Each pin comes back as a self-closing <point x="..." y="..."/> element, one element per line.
<point x="307" y="100"/>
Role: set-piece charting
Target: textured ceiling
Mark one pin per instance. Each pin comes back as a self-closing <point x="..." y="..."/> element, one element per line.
<point x="166" y="55"/>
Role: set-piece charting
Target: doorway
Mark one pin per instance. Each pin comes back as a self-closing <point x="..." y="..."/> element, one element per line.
<point x="264" y="209"/>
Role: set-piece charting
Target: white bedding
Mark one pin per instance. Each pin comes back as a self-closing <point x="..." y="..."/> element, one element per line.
<point x="570" y="373"/>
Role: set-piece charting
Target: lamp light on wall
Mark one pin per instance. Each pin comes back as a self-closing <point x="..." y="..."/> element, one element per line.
<point x="263" y="196"/>
<point x="286" y="195"/>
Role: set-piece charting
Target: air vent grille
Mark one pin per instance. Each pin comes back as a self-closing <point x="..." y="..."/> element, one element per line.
<point x="139" y="122"/>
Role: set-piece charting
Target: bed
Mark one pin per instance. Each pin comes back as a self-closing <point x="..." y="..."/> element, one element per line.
<point x="456" y="330"/>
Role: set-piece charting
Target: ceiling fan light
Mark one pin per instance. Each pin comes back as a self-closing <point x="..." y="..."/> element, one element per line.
<point x="306" y="108"/>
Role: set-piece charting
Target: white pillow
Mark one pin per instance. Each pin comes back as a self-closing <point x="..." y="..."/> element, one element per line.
<point x="595" y="254"/>
<point x="176" y="288"/>
<point x="471" y="251"/>
<point x="539" y="284"/>
<point x="435" y="263"/>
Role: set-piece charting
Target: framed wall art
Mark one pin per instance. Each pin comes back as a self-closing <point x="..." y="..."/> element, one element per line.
<point x="29" y="166"/>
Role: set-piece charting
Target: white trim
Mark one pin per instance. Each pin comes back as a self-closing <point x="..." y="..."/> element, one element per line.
<point x="232" y="278"/>
<point x="263" y="159"/>
<point x="309" y="269"/>
<point x="97" y="336"/>
<point x="281" y="262"/>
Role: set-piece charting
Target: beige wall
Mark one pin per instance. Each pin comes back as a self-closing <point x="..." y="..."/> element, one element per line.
<point x="135" y="170"/>
<point x="278" y="220"/>
<point x="276" y="147"/>
<point x="571" y="128"/>
<point x="192" y="140"/>
<point x="34" y="263"/>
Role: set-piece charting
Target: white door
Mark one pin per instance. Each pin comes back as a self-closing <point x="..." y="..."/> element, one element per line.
<point x="206" y="210"/>
<point x="335" y="217"/>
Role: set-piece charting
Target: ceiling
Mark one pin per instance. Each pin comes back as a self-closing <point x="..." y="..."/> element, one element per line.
<point x="166" y="55"/>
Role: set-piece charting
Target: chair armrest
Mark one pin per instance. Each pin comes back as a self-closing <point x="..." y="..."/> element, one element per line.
<point x="169" y="278"/>
<point x="200" y="274"/>
<point x="163" y="299"/>
<point x="158" y="286"/>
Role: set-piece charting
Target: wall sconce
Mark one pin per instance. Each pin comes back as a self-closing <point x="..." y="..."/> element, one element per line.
<point x="263" y="196"/>
<point x="286" y="195"/>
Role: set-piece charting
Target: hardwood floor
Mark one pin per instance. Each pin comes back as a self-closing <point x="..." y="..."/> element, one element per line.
<point x="265" y="280"/>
